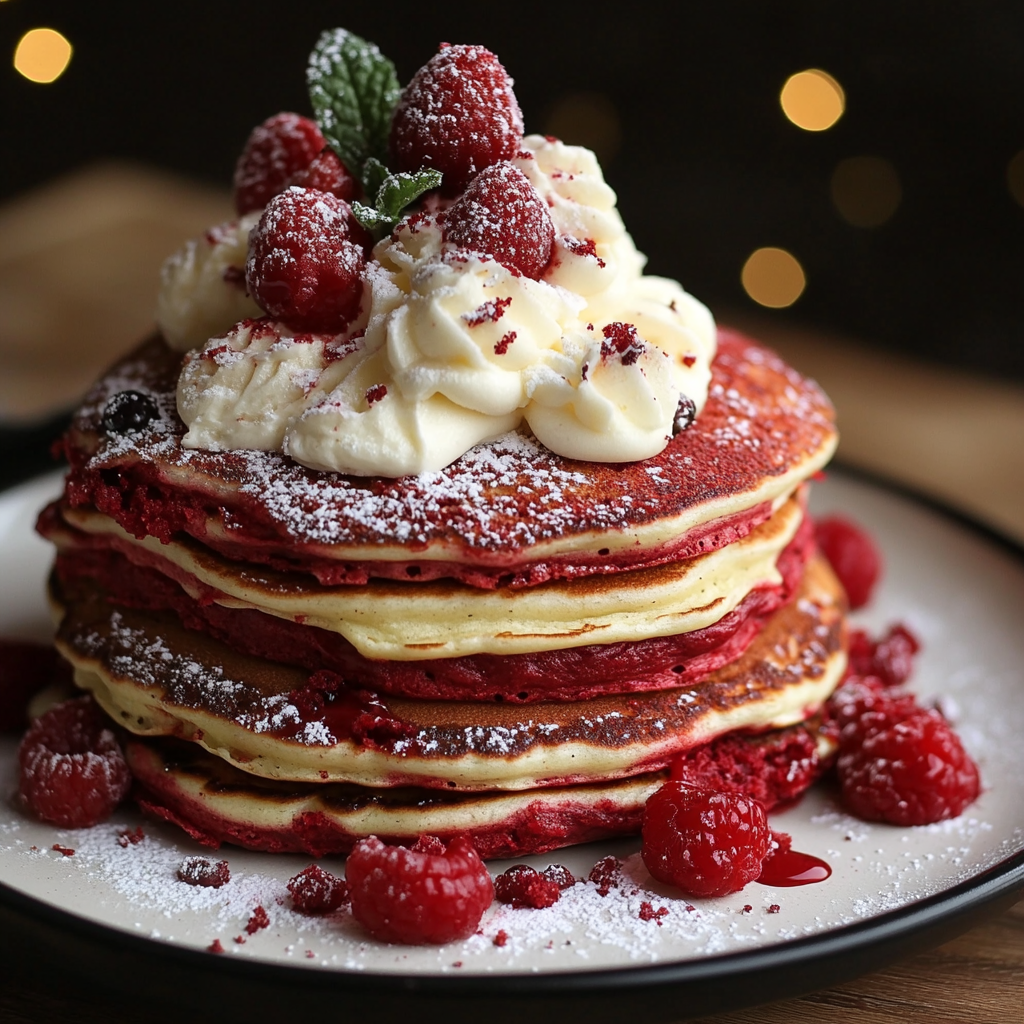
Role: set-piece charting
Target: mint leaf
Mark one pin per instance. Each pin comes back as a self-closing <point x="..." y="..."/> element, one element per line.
<point x="353" y="89"/>
<point x="374" y="173"/>
<point x="397" y="191"/>
<point x="373" y="220"/>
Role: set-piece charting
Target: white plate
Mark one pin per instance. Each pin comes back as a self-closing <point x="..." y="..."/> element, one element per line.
<point x="962" y="594"/>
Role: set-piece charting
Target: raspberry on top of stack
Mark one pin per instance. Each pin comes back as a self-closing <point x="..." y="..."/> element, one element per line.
<point x="427" y="512"/>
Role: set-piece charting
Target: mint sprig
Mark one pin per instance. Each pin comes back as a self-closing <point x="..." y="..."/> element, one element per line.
<point x="395" y="193"/>
<point x="354" y="89"/>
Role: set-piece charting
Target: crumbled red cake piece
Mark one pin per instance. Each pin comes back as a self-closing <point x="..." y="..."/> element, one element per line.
<point x="702" y="842"/>
<point x="489" y="312"/>
<point x="327" y="174"/>
<point x="415" y="897"/>
<point x="621" y="340"/>
<point x="376" y="394"/>
<point x="258" y="920"/>
<point x="240" y="939"/>
<point x="73" y="773"/>
<point x="853" y="556"/>
<point x="25" y="668"/>
<point x="911" y="772"/>
<point x="458" y="115"/>
<point x="605" y="874"/>
<point x="648" y="913"/>
<point x="584" y="247"/>
<point x="315" y="891"/>
<point x="215" y="947"/>
<point x="560" y="875"/>
<point x="502" y="215"/>
<point x="274" y="153"/>
<point x="774" y="908"/>
<point x="128" y="837"/>
<point x="890" y="659"/>
<point x="306" y="261"/>
<point x="64" y="851"/>
<point x="522" y="886"/>
<point x="500" y="937"/>
<point x="501" y="346"/>
<point x="199" y="871"/>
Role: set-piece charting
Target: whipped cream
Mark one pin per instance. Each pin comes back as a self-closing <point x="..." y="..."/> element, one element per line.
<point x="451" y="349"/>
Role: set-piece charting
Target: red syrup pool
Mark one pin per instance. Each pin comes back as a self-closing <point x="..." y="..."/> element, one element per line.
<point x="788" y="867"/>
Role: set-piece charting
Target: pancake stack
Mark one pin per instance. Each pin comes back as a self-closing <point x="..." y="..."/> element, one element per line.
<point x="520" y="647"/>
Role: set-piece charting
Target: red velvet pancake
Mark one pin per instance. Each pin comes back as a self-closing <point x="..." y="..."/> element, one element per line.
<point x="508" y="511"/>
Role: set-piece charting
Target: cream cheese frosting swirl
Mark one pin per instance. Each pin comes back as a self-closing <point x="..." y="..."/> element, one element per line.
<point x="452" y="348"/>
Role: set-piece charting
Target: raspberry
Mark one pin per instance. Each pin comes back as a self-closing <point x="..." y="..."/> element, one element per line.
<point x="458" y="115"/>
<point x="890" y="659"/>
<point x="416" y="897"/>
<point x="25" y="668"/>
<point x="522" y="886"/>
<point x="315" y="891"/>
<point x="304" y="266"/>
<point x="864" y="706"/>
<point x="73" y="773"/>
<point x="327" y="174"/>
<point x="913" y="772"/>
<point x="199" y="871"/>
<point x="274" y="153"/>
<point x="560" y="875"/>
<point x="852" y="554"/>
<point x="705" y="843"/>
<point x="502" y="215"/>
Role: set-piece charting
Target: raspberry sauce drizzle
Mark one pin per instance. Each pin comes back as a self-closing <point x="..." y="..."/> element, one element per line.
<point x="789" y="867"/>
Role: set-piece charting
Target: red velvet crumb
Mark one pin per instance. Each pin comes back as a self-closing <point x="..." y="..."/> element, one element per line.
<point x="774" y="908"/>
<point x="376" y="393"/>
<point x="605" y="874"/>
<point x="64" y="851"/>
<point x="522" y="886"/>
<point x="274" y="153"/>
<point x="315" y="891"/>
<point x="418" y="897"/>
<point x="199" y="871"/>
<point x="501" y="938"/>
<point x="126" y="837"/>
<point x="258" y="920"/>
<point x="215" y="947"/>
<point x="560" y="875"/>
<point x="648" y="913"/>
<point x="853" y="555"/>
<point x="501" y="347"/>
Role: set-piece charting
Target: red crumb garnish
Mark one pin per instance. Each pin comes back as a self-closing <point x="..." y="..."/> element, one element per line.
<point x="64" y="851"/>
<point x="500" y="938"/>
<point x="689" y="360"/>
<point x="890" y="659"/>
<point x="853" y="555"/>
<point x="72" y="771"/>
<point x="274" y="153"/>
<point x="605" y="874"/>
<point x="199" y="871"/>
<point x="376" y="393"/>
<point x="621" y="340"/>
<point x="747" y="908"/>
<point x="240" y="939"/>
<point x="489" y="312"/>
<point x="910" y="772"/>
<point x="315" y="891"/>
<point x="586" y="247"/>
<point x="458" y="115"/>
<point x="258" y="920"/>
<point x="648" y="913"/>
<point x="522" y="886"/>
<point x="774" y="908"/>
<point x="501" y="347"/>
<point x="306" y="261"/>
<point x="327" y="174"/>
<point x="560" y="875"/>
<point x="414" y="897"/>
<point x="702" y="842"/>
<point x="502" y="215"/>
<point x="126" y="837"/>
<point x="310" y="955"/>
<point x="25" y="668"/>
<point x="215" y="947"/>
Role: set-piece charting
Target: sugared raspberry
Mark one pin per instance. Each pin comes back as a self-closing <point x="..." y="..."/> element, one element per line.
<point x="458" y="115"/>
<point x="502" y="215"/>
<point x="702" y="842"/>
<point x="853" y="555"/>
<point x="914" y="772"/>
<point x="304" y="266"/>
<point x="274" y="153"/>
<point x="25" y="668"/>
<point x="560" y="875"/>
<point x="522" y="886"/>
<point x="315" y="891"/>
<point x="199" y="871"/>
<point x="890" y="659"/>
<point x="414" y="897"/>
<point x="328" y="174"/>
<point x="73" y="773"/>
<point x="605" y="874"/>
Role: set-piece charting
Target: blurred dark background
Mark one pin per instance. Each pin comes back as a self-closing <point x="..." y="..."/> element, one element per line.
<point x="920" y="249"/>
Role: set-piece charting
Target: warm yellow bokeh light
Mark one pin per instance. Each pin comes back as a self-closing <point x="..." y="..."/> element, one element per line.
<point x="773" y="277"/>
<point x="812" y="100"/>
<point x="42" y="55"/>
<point x="1015" y="177"/>
<point x="866" y="190"/>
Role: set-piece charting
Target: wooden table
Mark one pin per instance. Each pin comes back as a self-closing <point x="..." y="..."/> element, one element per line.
<point x="79" y="263"/>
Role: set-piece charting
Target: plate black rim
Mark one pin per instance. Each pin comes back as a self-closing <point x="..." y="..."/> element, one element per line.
<point x="784" y="970"/>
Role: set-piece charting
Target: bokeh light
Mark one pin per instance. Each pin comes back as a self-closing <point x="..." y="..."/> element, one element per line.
<point x="866" y="190"/>
<point x="586" y="119"/>
<point x="1015" y="177"/>
<point x="42" y="55"/>
<point x="773" y="277"/>
<point x="812" y="100"/>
